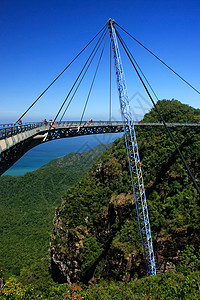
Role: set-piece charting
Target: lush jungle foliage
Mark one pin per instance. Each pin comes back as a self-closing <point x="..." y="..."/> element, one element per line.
<point x="27" y="206"/>
<point x="36" y="283"/>
<point x="173" y="111"/>
<point x="173" y="202"/>
<point x="173" y="205"/>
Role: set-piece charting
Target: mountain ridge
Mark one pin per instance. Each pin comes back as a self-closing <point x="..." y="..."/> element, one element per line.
<point x="27" y="205"/>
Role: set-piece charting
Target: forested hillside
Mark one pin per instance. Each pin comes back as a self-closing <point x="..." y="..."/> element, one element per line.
<point x="95" y="228"/>
<point x="27" y="206"/>
<point x="96" y="250"/>
<point x="173" y="111"/>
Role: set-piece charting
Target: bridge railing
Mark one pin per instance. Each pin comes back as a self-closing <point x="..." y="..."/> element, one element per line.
<point x="9" y="131"/>
<point x="88" y="123"/>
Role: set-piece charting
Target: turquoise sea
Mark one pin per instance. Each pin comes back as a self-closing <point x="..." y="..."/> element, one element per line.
<point x="42" y="154"/>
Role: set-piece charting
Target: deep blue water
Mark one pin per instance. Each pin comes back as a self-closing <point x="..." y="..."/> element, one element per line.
<point x="42" y="154"/>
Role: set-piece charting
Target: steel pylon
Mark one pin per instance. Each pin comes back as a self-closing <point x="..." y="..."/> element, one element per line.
<point x="133" y="156"/>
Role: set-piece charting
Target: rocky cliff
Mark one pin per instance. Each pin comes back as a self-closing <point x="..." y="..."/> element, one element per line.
<point x="96" y="233"/>
<point x="1" y="279"/>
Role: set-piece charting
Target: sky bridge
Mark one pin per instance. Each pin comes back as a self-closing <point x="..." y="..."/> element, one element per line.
<point x="16" y="140"/>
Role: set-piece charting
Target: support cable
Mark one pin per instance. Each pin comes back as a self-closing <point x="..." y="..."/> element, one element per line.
<point x="82" y="78"/>
<point x="93" y="80"/>
<point x="119" y="36"/>
<point x="98" y="42"/>
<point x="110" y="81"/>
<point x="59" y="75"/>
<point x="159" y="60"/>
<point x="165" y="125"/>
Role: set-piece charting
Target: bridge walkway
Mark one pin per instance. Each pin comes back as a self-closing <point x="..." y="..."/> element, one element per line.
<point x="16" y="140"/>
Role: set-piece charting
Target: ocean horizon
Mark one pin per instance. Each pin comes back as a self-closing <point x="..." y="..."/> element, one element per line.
<point x="42" y="154"/>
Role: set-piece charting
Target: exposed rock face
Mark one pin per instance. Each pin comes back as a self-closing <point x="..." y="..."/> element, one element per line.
<point x="168" y="249"/>
<point x="66" y="265"/>
<point x="1" y="280"/>
<point x="96" y="233"/>
<point x="67" y="245"/>
<point x="1" y="283"/>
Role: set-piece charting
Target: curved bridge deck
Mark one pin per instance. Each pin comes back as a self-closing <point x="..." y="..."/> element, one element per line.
<point x="15" y="141"/>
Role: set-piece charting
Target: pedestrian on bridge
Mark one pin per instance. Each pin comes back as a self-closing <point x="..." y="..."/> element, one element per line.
<point x="52" y="123"/>
<point x="19" y="123"/>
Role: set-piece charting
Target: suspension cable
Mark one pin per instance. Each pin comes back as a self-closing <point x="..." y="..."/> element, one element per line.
<point x="99" y="41"/>
<point x="165" y="125"/>
<point x="81" y="79"/>
<point x="110" y="81"/>
<point x="60" y="74"/>
<point x="159" y="59"/>
<point x="80" y="82"/>
<point x="145" y="78"/>
<point x="93" y="80"/>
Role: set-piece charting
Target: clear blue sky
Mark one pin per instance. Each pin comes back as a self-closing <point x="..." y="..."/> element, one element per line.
<point x="39" y="38"/>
